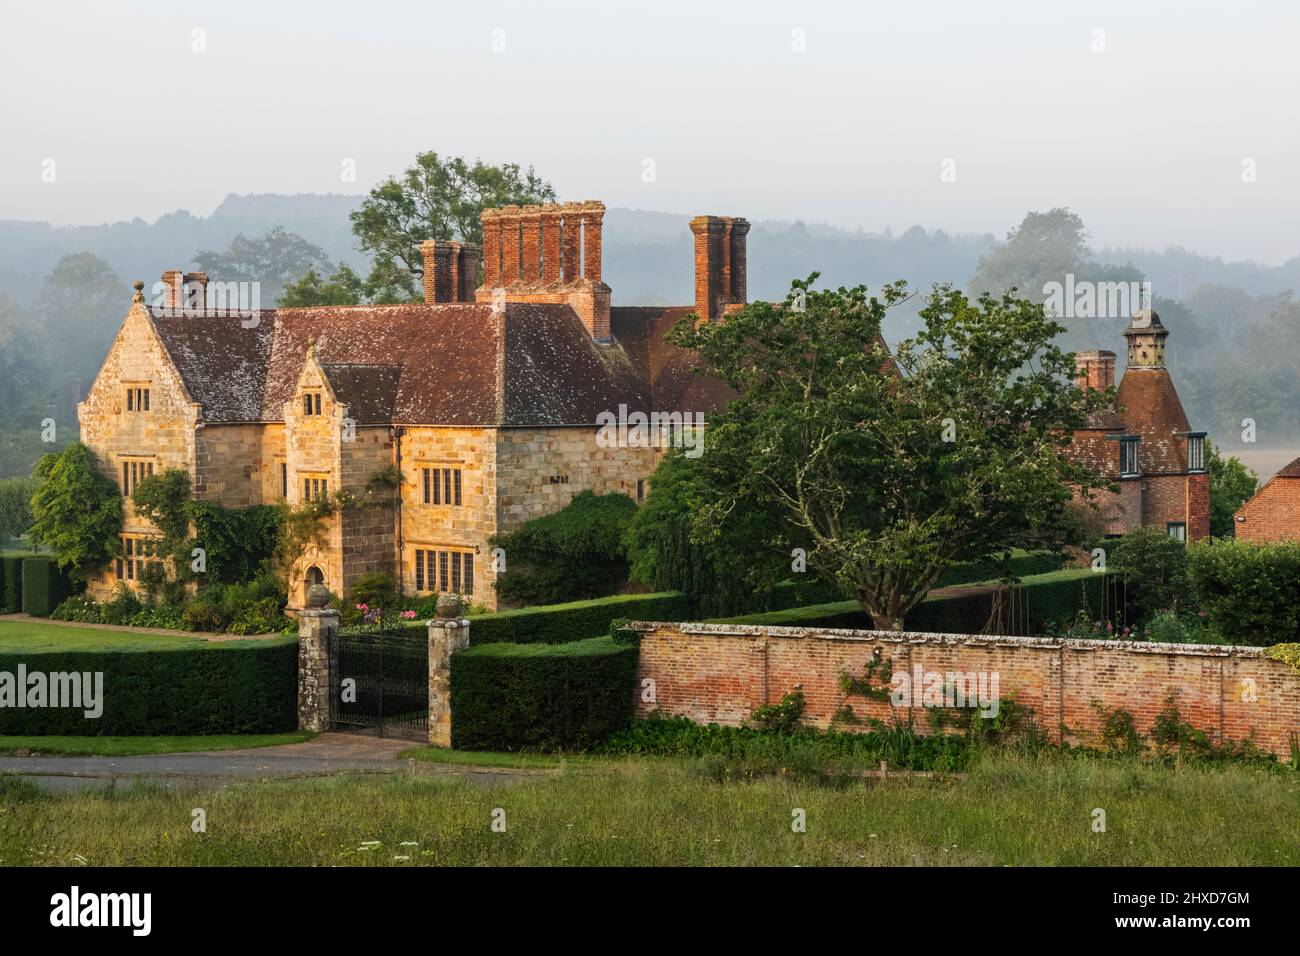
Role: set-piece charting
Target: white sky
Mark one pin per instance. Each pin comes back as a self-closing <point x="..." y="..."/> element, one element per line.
<point x="1145" y="140"/>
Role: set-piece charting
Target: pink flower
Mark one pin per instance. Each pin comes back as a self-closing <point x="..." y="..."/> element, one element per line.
<point x="408" y="615"/>
<point x="363" y="607"/>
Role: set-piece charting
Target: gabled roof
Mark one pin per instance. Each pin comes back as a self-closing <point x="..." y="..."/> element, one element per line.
<point x="369" y="391"/>
<point x="444" y="364"/>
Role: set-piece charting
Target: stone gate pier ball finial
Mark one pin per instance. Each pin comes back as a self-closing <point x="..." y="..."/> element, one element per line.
<point x="318" y="596"/>
<point x="449" y="605"/>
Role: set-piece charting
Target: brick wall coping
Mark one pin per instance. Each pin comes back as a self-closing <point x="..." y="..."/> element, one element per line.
<point x="919" y="637"/>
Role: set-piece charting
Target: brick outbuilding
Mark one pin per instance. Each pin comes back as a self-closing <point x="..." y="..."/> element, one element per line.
<point x="1273" y="514"/>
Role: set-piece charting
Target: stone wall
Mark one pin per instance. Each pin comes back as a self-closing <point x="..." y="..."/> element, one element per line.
<point x="228" y="466"/>
<point x="464" y="527"/>
<point x="722" y="673"/>
<point x="539" y="470"/>
<point x="163" y="436"/>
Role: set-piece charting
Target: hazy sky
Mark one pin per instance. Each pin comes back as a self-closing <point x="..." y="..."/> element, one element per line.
<point x="848" y="121"/>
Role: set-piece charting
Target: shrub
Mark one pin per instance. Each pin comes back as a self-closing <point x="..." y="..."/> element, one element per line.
<point x="375" y="589"/>
<point x="1248" y="591"/>
<point x="11" y="583"/>
<point x="80" y="608"/>
<point x="123" y="608"/>
<point x="203" y="615"/>
<point x="574" y="553"/>
<point x="45" y="587"/>
<point x="219" y="688"/>
<point x="1154" y="567"/>
<point x="541" y="697"/>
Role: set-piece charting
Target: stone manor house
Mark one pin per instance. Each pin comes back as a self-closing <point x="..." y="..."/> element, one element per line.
<point x="483" y="401"/>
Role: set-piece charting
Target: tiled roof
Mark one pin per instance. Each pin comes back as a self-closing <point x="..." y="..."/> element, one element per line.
<point x="369" y="391"/>
<point x="670" y="371"/>
<point x="1290" y="471"/>
<point x="447" y="364"/>
<point x="1149" y="406"/>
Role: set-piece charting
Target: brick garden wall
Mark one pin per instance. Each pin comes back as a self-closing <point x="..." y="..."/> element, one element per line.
<point x="722" y="673"/>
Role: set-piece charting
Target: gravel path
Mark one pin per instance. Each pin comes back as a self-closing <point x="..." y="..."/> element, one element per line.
<point x="331" y="753"/>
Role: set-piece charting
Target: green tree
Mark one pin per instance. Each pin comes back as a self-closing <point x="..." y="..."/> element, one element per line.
<point x="890" y="471"/>
<point x="272" y="260"/>
<point x="76" y="511"/>
<point x="742" y="554"/>
<point x="81" y="304"/>
<point x="1047" y="247"/>
<point x="435" y="198"/>
<point x="15" y="506"/>
<point x="1231" y="485"/>
<point x="344" y="287"/>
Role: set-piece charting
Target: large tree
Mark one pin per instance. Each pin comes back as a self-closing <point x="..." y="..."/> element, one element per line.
<point x="1047" y="247"/>
<point x="273" y="260"/>
<point x="888" y="471"/>
<point x="435" y="198"/>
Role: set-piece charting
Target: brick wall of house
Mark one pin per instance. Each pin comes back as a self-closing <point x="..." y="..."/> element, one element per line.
<point x="1273" y="514"/>
<point x="1164" y="500"/>
<point x="723" y="672"/>
<point x="163" y="436"/>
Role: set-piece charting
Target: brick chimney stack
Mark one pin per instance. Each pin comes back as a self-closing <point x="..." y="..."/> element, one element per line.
<point x="548" y="254"/>
<point x="450" y="270"/>
<point x="1096" y="369"/>
<point x="721" y="265"/>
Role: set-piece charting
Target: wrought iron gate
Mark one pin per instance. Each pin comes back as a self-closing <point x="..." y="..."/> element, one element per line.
<point x="380" y="683"/>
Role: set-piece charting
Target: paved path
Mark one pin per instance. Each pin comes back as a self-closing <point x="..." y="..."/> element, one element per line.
<point x="330" y="753"/>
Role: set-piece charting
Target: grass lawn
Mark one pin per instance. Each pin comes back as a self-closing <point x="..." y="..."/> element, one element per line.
<point x="123" y="746"/>
<point x="36" y="636"/>
<point x="486" y="758"/>
<point x="1011" y="809"/>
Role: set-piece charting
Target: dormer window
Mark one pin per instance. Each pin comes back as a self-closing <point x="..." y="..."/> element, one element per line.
<point x="1196" y="451"/>
<point x="311" y="403"/>
<point x="1128" y="456"/>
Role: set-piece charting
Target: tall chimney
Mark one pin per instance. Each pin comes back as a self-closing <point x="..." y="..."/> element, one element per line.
<point x="196" y="291"/>
<point x="471" y="256"/>
<point x="1096" y="369"/>
<point x="450" y="270"/>
<point x="720" y="264"/>
<point x="173" y="289"/>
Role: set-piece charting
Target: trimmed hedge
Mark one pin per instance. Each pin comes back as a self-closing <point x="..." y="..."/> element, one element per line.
<point x="541" y="696"/>
<point x="559" y="623"/>
<point x="1052" y="597"/>
<point x="11" y="583"/>
<point x="44" y="586"/>
<point x="220" y="688"/>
